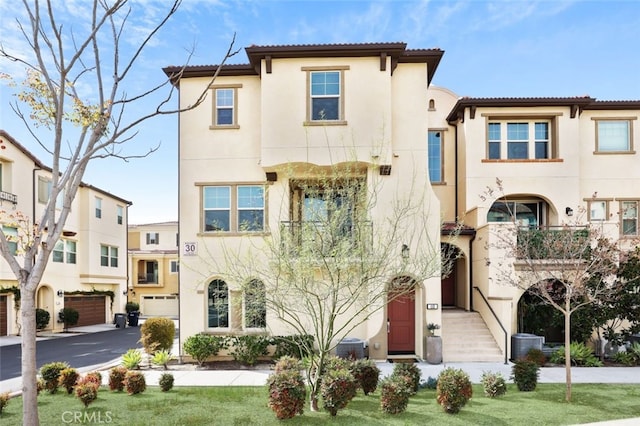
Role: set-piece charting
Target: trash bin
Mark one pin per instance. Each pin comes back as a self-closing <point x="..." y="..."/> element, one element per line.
<point x="133" y="318"/>
<point x="120" y="320"/>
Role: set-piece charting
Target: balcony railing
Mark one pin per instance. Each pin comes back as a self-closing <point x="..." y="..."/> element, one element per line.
<point x="553" y="242"/>
<point x="7" y="196"/>
<point x="148" y="279"/>
<point x="322" y="239"/>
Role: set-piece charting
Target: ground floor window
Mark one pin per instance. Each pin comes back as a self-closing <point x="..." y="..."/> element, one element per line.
<point x="218" y="304"/>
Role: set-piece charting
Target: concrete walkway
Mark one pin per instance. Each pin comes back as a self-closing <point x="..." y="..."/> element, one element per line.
<point x="613" y="375"/>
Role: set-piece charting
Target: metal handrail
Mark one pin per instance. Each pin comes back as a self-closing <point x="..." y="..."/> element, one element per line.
<point x="506" y="338"/>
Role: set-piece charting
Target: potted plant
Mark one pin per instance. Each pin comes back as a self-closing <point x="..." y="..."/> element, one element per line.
<point x="434" y="344"/>
<point x="69" y="317"/>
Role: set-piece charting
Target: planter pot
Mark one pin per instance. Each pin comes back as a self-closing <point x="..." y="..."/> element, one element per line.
<point x="434" y="349"/>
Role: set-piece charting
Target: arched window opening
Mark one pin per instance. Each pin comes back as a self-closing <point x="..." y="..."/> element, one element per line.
<point x="255" y="307"/>
<point x="218" y="304"/>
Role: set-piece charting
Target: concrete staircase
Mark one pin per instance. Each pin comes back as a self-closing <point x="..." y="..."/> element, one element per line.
<point x="466" y="338"/>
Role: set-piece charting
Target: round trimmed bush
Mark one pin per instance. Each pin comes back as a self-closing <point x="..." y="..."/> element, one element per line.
<point x="166" y="382"/>
<point x="411" y="373"/>
<point x="366" y="374"/>
<point x="42" y="319"/>
<point x="157" y="334"/>
<point x="134" y="382"/>
<point x="50" y="373"/>
<point x="68" y="378"/>
<point x="394" y="394"/>
<point x="287" y="393"/>
<point x="453" y="390"/>
<point x="493" y="384"/>
<point x="116" y="378"/>
<point x="525" y="375"/>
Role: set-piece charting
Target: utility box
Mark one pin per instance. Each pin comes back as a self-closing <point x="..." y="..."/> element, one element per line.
<point x="120" y="320"/>
<point x="521" y="343"/>
<point x="351" y="348"/>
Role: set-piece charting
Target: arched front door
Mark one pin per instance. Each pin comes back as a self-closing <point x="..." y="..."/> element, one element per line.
<point x="401" y="317"/>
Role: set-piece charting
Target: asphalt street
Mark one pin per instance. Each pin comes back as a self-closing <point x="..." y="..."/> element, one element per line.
<point x="78" y="351"/>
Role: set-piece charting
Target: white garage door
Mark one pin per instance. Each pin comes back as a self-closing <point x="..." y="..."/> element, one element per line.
<point x="160" y="306"/>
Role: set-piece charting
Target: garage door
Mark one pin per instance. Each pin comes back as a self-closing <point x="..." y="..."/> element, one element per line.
<point x="90" y="308"/>
<point x="160" y="306"/>
<point x="3" y="315"/>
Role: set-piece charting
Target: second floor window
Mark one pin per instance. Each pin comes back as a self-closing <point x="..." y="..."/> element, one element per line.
<point x="435" y="156"/>
<point x="225" y="106"/>
<point x="119" y="214"/>
<point x="109" y="256"/>
<point x="45" y="187"/>
<point x="64" y="252"/>
<point x="174" y="267"/>
<point x="98" y="207"/>
<point x="233" y="208"/>
<point x="11" y="234"/>
<point x="325" y="95"/>
<point x="613" y="136"/>
<point x="153" y="238"/>
<point x="518" y="140"/>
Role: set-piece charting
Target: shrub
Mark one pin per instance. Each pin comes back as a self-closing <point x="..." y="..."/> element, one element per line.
<point x="287" y="363"/>
<point x="69" y="316"/>
<point x="202" y="346"/>
<point x="581" y="355"/>
<point x="411" y="372"/>
<point x="287" y="393"/>
<point x="116" y="378"/>
<point x="537" y="356"/>
<point x="338" y="388"/>
<point x="525" y="375"/>
<point x="430" y="383"/>
<point x="40" y="385"/>
<point x="134" y="382"/>
<point x="87" y="390"/>
<point x="162" y="358"/>
<point x="166" y="382"/>
<point x="493" y="384"/>
<point x="131" y="307"/>
<point x="94" y="376"/>
<point x="50" y="373"/>
<point x="394" y="394"/>
<point x="626" y="358"/>
<point x="4" y="400"/>
<point x="42" y="319"/>
<point x="157" y="334"/>
<point x="247" y="349"/>
<point x="68" y="378"/>
<point x="297" y="345"/>
<point x="453" y="390"/>
<point x="132" y="359"/>
<point x="335" y="363"/>
<point x="366" y="374"/>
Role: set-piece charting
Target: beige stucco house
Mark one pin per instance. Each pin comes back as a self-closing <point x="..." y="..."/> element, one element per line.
<point x="87" y="269"/>
<point x="306" y="107"/>
<point x="153" y="268"/>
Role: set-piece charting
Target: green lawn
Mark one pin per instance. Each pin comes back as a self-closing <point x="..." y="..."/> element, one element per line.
<point x="248" y="406"/>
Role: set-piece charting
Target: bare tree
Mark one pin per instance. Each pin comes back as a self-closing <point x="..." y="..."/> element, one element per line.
<point x="331" y="267"/>
<point x="568" y="267"/>
<point x="76" y="90"/>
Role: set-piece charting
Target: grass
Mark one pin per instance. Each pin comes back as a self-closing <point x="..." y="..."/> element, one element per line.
<point x="248" y="406"/>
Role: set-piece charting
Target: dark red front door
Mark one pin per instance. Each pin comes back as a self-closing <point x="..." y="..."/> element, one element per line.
<point x="448" y="289"/>
<point x="401" y="325"/>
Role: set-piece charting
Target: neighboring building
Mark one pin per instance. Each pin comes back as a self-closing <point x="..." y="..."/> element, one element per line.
<point x="555" y="157"/>
<point x="266" y="130"/>
<point x="153" y="268"/>
<point x="87" y="269"/>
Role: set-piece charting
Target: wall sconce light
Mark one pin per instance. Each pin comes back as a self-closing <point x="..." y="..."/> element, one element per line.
<point x="568" y="211"/>
<point x="60" y="293"/>
<point x="405" y="251"/>
<point x="124" y="293"/>
<point x="385" y="170"/>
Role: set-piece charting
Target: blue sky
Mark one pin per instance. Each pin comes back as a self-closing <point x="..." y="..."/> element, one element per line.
<point x="492" y="49"/>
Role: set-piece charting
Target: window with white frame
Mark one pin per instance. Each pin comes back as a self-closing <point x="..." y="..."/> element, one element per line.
<point x="119" y="214"/>
<point x="225" y="106"/>
<point x="614" y="135"/>
<point x="233" y="208"/>
<point x="98" y="203"/>
<point x="11" y="234"/>
<point x="218" y="304"/>
<point x="109" y="256"/>
<point x="64" y="252"/>
<point x="434" y="149"/>
<point x="153" y="238"/>
<point x="598" y="210"/>
<point x="629" y="213"/>
<point x="174" y="267"/>
<point x="325" y="94"/>
<point x="255" y="307"/>
<point x="519" y="139"/>
<point x="45" y="187"/>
